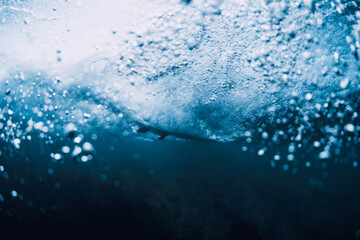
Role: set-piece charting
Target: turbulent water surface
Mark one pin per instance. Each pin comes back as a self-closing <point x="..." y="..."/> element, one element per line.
<point x="206" y="70"/>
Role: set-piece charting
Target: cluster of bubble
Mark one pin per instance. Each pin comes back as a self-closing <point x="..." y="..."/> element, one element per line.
<point x="218" y="70"/>
<point x="29" y="112"/>
<point x="322" y="137"/>
<point x="243" y="61"/>
<point x="31" y="109"/>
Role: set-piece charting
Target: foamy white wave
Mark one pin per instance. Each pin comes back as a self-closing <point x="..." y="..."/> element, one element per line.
<point x="203" y="69"/>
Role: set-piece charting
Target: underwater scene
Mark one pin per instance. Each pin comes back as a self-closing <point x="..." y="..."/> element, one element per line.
<point x="180" y="119"/>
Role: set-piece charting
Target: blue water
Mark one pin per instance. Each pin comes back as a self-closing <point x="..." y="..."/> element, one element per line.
<point x="179" y="119"/>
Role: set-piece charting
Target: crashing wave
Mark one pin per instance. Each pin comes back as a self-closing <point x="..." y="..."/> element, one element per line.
<point x="215" y="70"/>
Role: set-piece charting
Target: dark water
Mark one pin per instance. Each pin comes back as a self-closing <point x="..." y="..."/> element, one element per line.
<point x="173" y="190"/>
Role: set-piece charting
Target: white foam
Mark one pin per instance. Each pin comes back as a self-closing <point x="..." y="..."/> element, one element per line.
<point x="206" y="69"/>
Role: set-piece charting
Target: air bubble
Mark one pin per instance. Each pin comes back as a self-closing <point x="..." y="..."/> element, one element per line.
<point x="77" y="150"/>
<point x="88" y="147"/>
<point x="14" y="193"/>
<point x="324" y="155"/>
<point x="65" y="149"/>
<point x="349" y="127"/>
<point x="261" y="152"/>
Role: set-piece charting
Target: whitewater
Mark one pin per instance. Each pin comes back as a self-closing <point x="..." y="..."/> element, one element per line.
<point x="213" y="70"/>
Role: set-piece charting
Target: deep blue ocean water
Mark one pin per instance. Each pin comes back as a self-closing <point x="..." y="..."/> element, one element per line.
<point x="174" y="190"/>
